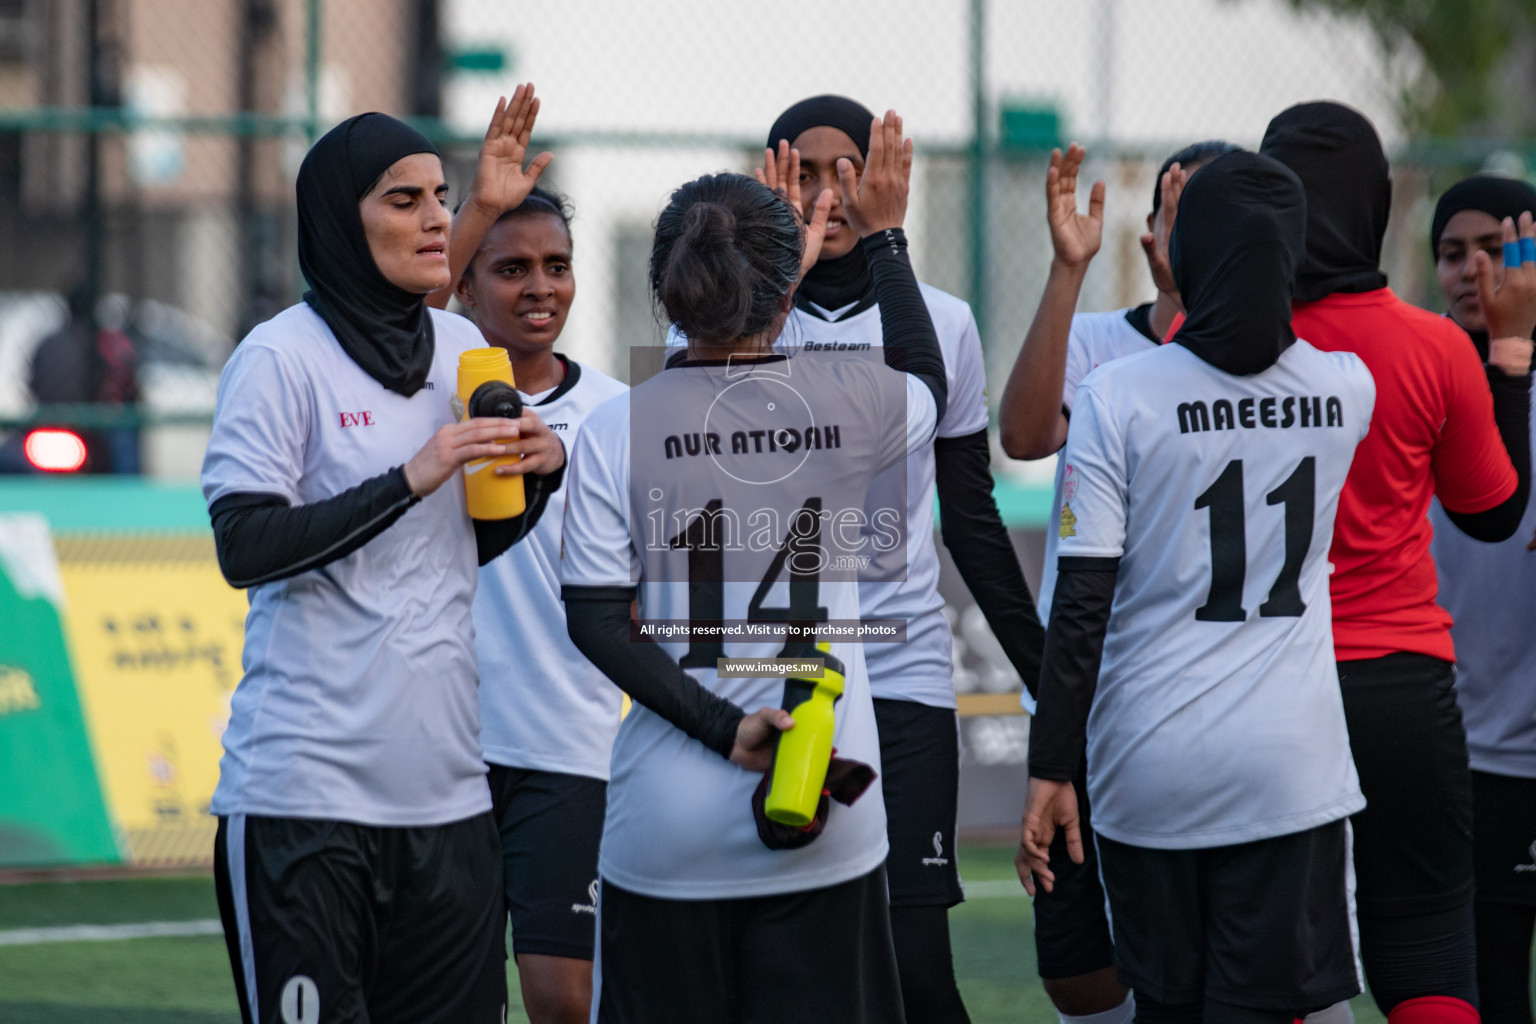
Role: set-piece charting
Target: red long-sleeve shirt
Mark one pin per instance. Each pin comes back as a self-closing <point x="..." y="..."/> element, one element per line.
<point x="1432" y="433"/>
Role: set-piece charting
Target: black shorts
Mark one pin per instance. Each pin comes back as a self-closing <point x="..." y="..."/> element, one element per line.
<point x="328" y="920"/>
<point x="920" y="777"/>
<point x="1263" y="925"/>
<point x="1071" y="921"/>
<point x="1413" y="841"/>
<point x="551" y="824"/>
<point x="823" y="956"/>
<point x="1504" y="833"/>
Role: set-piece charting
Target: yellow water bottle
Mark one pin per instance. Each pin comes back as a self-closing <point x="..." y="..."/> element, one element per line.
<point x="486" y="388"/>
<point x="800" y="764"/>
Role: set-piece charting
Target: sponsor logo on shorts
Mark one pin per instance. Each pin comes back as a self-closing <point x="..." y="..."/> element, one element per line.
<point x="1523" y="868"/>
<point x="590" y="907"/>
<point x="938" y="859"/>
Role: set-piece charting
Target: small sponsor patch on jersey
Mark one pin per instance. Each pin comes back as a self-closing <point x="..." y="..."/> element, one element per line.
<point x="1068" y="483"/>
<point x="1068" y="523"/>
<point x="357" y="419"/>
<point x="836" y="346"/>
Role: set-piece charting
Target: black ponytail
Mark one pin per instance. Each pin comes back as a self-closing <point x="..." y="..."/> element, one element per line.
<point x="726" y="253"/>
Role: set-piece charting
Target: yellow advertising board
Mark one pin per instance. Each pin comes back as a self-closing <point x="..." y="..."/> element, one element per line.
<point x="156" y="636"/>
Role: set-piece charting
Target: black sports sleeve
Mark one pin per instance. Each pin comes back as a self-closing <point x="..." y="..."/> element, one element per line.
<point x="973" y="532"/>
<point x="260" y="537"/>
<point x="1069" y="673"/>
<point x="1512" y="415"/>
<point x="598" y="621"/>
<point x="495" y="536"/>
<point x="906" y="328"/>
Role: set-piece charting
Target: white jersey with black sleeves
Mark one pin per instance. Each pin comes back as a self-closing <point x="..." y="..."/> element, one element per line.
<point x="1488" y="590"/>
<point x="1095" y="339"/>
<point x="543" y="705"/>
<point x="359" y="699"/>
<point x="1217" y="719"/>
<point x="674" y="487"/>
<point x="921" y="669"/>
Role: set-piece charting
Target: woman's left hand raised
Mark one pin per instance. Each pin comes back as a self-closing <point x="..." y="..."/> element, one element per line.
<point x="501" y="183"/>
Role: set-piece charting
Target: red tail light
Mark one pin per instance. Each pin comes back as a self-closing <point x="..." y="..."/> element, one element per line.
<point x="54" y="451"/>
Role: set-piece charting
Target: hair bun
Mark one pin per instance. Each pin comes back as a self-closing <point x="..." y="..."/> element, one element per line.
<point x="709" y="225"/>
<point x="727" y="251"/>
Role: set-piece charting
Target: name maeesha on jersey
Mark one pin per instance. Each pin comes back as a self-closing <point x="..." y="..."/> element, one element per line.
<point x="753" y="442"/>
<point x="1290" y="411"/>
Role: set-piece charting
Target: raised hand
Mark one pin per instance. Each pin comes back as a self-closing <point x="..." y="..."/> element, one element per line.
<point x="1155" y="242"/>
<point x="878" y="200"/>
<point x="501" y="182"/>
<point x="1075" y="237"/>
<point x="815" y="233"/>
<point x="1509" y="305"/>
<point x="781" y="172"/>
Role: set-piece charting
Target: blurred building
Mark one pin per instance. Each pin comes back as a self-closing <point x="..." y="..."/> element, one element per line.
<point x="198" y="219"/>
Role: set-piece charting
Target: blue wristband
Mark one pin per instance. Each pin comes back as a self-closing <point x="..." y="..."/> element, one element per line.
<point x="1511" y="254"/>
<point x="1528" y="250"/>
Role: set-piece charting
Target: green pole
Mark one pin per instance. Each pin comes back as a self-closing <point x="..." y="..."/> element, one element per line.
<point x="978" y="189"/>
<point x="312" y="69"/>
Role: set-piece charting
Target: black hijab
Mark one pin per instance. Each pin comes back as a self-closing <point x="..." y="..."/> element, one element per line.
<point x="1338" y="156"/>
<point x="1239" y="237"/>
<point x="386" y="330"/>
<point x="831" y="283"/>
<point x="1487" y="193"/>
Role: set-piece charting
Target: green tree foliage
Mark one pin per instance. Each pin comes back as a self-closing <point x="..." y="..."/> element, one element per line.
<point x="1479" y="61"/>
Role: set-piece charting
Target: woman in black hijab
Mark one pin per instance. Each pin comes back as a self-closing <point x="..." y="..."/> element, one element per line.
<point x="1487" y="590"/>
<point x="1190" y="711"/>
<point x="835" y="304"/>
<point x="357" y="861"/>
<point x="1435" y="432"/>
<point x="1469" y="218"/>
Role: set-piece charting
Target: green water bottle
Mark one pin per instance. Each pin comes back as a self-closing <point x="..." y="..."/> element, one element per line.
<point x="800" y="763"/>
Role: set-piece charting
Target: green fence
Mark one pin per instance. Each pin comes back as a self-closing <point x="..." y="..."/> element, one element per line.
<point x="151" y="145"/>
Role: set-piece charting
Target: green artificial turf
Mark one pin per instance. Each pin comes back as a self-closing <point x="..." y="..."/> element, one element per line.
<point x="187" y="980"/>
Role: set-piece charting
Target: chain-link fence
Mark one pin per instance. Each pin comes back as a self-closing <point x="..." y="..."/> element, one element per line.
<point x="148" y="147"/>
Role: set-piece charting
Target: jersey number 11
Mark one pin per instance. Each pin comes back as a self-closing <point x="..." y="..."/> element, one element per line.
<point x="1229" y="544"/>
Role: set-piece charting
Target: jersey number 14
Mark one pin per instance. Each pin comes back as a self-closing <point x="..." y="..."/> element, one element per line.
<point x="1229" y="543"/>
<point x="706" y="576"/>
